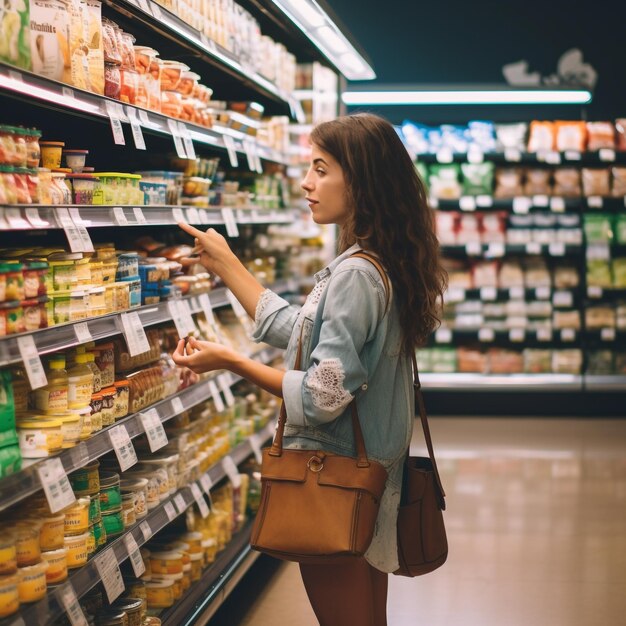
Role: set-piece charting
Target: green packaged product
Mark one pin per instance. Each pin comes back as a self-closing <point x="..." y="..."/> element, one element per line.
<point x="443" y="181"/>
<point x="620" y="229"/>
<point x="7" y="404"/>
<point x="10" y="460"/>
<point x="15" y="29"/>
<point x="598" y="228"/>
<point x="599" y="273"/>
<point x="619" y="273"/>
<point x="477" y="178"/>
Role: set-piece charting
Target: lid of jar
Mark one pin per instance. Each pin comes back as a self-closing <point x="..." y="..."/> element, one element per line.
<point x="81" y="176"/>
<point x="54" y="144"/>
<point x="109" y="478"/>
<point x="133" y="484"/>
<point x="30" y="570"/>
<point x="56" y="362"/>
<point x="171" y="577"/>
<point x="159" y="583"/>
<point x="83" y="357"/>
<point x="108" y="174"/>
<point x="111" y="618"/>
<point x="13" y="265"/>
<point x="68" y="417"/>
<point x="74" y="151"/>
<point x="121" y="383"/>
<point x="173" y="63"/>
<point x="170" y="555"/>
<point x="128" y="604"/>
<point x="192" y="536"/>
<point x="76" y="538"/>
<point x="35" y="422"/>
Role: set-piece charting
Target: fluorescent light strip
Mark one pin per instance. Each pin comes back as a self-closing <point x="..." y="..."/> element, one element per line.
<point x="382" y="98"/>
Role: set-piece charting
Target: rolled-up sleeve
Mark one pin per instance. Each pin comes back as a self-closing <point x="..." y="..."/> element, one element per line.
<point x="352" y="309"/>
<point x="274" y="319"/>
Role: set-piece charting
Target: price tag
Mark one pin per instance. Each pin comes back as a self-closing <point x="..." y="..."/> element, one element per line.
<point x="544" y="334"/>
<point x="541" y="201"/>
<point x="467" y="203"/>
<point x="36" y="221"/>
<point x="123" y="446"/>
<point x="116" y="124"/>
<point x="486" y="334"/>
<point x="157" y="437"/>
<point x="542" y="293"/>
<point x="207" y="483"/>
<point x="224" y="384"/>
<point x="69" y="601"/>
<point x="563" y="299"/>
<point x="156" y="11"/>
<point x="230" y="469"/>
<point x="186" y="316"/>
<point x="568" y="334"/>
<point x="176" y="315"/>
<point x="110" y="574"/>
<point x="83" y="334"/>
<point x="135" y="556"/>
<point x="180" y="503"/>
<point x="455" y="295"/>
<point x="488" y="293"/>
<point x="215" y="394"/>
<point x="443" y="335"/>
<point x="235" y="304"/>
<point x="250" y="150"/>
<point x="557" y="248"/>
<point x="606" y="154"/>
<point x="513" y="155"/>
<point x="607" y="334"/>
<point x="595" y="202"/>
<point x="55" y="484"/>
<point x="140" y="218"/>
<point x="134" y="333"/>
<point x="495" y="249"/>
<point x="32" y="362"/>
<point x="517" y="334"/>
<point x="170" y="511"/>
<point x="144" y="5"/>
<point x="79" y="455"/>
<point x="203" y="216"/>
<point x="484" y="201"/>
<point x="146" y="531"/>
<point x="473" y="248"/>
<point x="71" y="232"/>
<point x="85" y="239"/>
<point x="15" y="219"/>
<point x="521" y="205"/>
<point x="533" y="247"/>
<point x="255" y="444"/>
<point x="572" y="155"/>
<point x="135" y="126"/>
<point x="207" y="309"/>
<point x="193" y="216"/>
<point x="444" y="155"/>
<point x="475" y="155"/>
<point x="231" y="225"/>
<point x="541" y="155"/>
<point x="200" y="501"/>
<point x="552" y="157"/>
<point x="143" y="118"/>
<point x="119" y="216"/>
<point x="179" y="216"/>
<point x="594" y="292"/>
<point x="187" y="141"/>
<point x="516" y="293"/>
<point x="178" y="140"/>
<point x="232" y="152"/>
<point x="557" y="205"/>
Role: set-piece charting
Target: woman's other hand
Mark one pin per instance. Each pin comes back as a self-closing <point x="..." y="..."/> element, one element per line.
<point x="215" y="254"/>
<point x="201" y="356"/>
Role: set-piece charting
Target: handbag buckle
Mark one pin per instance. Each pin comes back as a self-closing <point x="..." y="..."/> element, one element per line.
<point x="315" y="464"/>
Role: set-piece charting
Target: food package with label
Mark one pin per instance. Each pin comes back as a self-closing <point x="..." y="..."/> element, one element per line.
<point x="567" y="361"/>
<point x="444" y="181"/>
<point x="600" y="316"/>
<point x="566" y="319"/>
<point x="536" y="273"/>
<point x="493" y="227"/>
<point x="481" y="135"/>
<point x="566" y="182"/>
<point x="541" y="136"/>
<point x="545" y="228"/>
<point x="511" y="136"/>
<point x="570" y="135"/>
<point x="459" y="275"/>
<point x="598" y="228"/>
<point x="509" y="182"/>
<point x="565" y="276"/>
<point x="92" y="16"/>
<point x="519" y="231"/>
<point x="50" y="39"/>
<point x="468" y="229"/>
<point x="15" y="29"/>
<point x="538" y="182"/>
<point x="446" y="227"/>
<point x="620" y="315"/>
<point x="600" y="362"/>
<point x="511" y="274"/>
<point x="618" y="182"/>
<point x="443" y="360"/>
<point x="537" y="361"/>
<point x="619" y="272"/>
<point x="596" y="182"/>
<point x="477" y="178"/>
<point x="503" y="361"/>
<point x="471" y="361"/>
<point x="485" y="274"/>
<point x="600" y="135"/>
<point x="620" y="363"/>
<point x="599" y="273"/>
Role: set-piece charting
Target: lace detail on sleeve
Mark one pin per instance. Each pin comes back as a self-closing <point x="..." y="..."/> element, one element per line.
<point x="262" y="303"/>
<point x="326" y="385"/>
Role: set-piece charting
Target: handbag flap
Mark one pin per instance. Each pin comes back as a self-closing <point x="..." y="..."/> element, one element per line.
<point x="342" y="471"/>
<point x="290" y="465"/>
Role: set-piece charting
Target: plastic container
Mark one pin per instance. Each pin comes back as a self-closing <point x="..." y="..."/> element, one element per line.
<point x="80" y="383"/>
<point x="112" y="81"/>
<point x="33" y="149"/>
<point x="39" y="438"/>
<point x="27" y="542"/>
<point x="53" y="398"/>
<point x="9" y="595"/>
<point x="52" y="531"/>
<point x="77" y="553"/>
<point x="172" y="104"/>
<point x="113" y="523"/>
<point x="71" y="427"/>
<point x="105" y="360"/>
<point x="8" y="553"/>
<point x="196" y="566"/>
<point x="62" y="275"/>
<point x="77" y="517"/>
<point x="96" y="412"/>
<point x="32" y="586"/>
<point x="75" y="160"/>
<point x="171" y="74"/>
<point x="110" y="496"/>
<point x="170" y="562"/>
<point x="138" y="487"/>
<point x="51" y="152"/>
<point x="57" y="565"/>
<point x="83" y="187"/>
<point x="160" y="593"/>
<point x="86" y="480"/>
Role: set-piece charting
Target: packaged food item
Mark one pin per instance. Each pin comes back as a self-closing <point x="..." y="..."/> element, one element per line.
<point x="51" y="152"/>
<point x="598" y="317"/>
<point x="171" y="74"/>
<point x="110" y="496"/>
<point x="94" y="43"/>
<point x="477" y="178"/>
<point x="618" y="187"/>
<point x="113" y="522"/>
<point x="508" y="181"/>
<point x="50" y="39"/>
<point x="132" y="607"/>
<point x="77" y="517"/>
<point x="32" y="586"/>
<point x="75" y="160"/>
<point x="596" y="182"/>
<point x="129" y="86"/>
<point x="112" y="81"/>
<point x="77" y="553"/>
<point x="600" y="135"/>
<point x="444" y="181"/>
<point x="52" y="531"/>
<point x="9" y="595"/>
<point x="537" y="182"/>
<point x="511" y="136"/>
<point x="15" y="40"/>
<point x="57" y="565"/>
<point x="541" y="136"/>
<point x="620" y="133"/>
<point x="53" y="398"/>
<point x="80" y="383"/>
<point x="566" y="182"/>
<point x="537" y="361"/>
<point x="109" y="41"/>
<point x="8" y="554"/>
<point x="570" y="135"/>
<point x="27" y="545"/>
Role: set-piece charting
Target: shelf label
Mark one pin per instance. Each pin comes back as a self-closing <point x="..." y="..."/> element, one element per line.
<point x="110" y="574"/>
<point x="230" y="469"/>
<point x="123" y="446"/>
<point x="553" y="157"/>
<point x="135" y="127"/>
<point x="517" y="334"/>
<point x="180" y="503"/>
<point x="215" y="394"/>
<point x="542" y="293"/>
<point x="32" y="362"/>
<point x="473" y="248"/>
<point x="16" y="76"/>
<point x="144" y="5"/>
<point x="521" y="205"/>
<point x="443" y="335"/>
<point x="203" y="216"/>
<point x="207" y="483"/>
<point x="193" y="216"/>
<point x="250" y="150"/>
<point x="143" y="118"/>
<point x="572" y="155"/>
<point x="516" y="293"/>
<point x="83" y="334"/>
<point x="200" y="501"/>
<point x="533" y="247"/>
<point x="467" y="203"/>
<point x="170" y="511"/>
<point x="55" y="484"/>
<point x="475" y="155"/>
<point x="36" y="221"/>
<point x="69" y="601"/>
<point x="146" y="530"/>
<point x="134" y="333"/>
<point x="495" y="249"/>
<point x="488" y="293"/>
<point x="557" y="248"/>
<point x="157" y="437"/>
<point x="179" y="215"/>
<point x="544" y="334"/>
<point x="568" y="334"/>
<point x="444" y="155"/>
<point x="563" y="299"/>
<point x="231" y="225"/>
<point x="595" y="202"/>
<point x="557" y="205"/>
<point x="255" y="444"/>
<point x="116" y="124"/>
<point x="79" y="455"/>
<point x="178" y="140"/>
<point x="540" y="201"/>
<point x="71" y="232"/>
<point x="135" y="556"/>
<point x="607" y="334"/>
<point x="140" y="218"/>
<point x="594" y="291"/>
<point x="513" y="154"/>
<point x="119" y="216"/>
<point x="224" y="383"/>
<point x="185" y="311"/>
<point x="484" y="201"/>
<point x="229" y="142"/>
<point x="15" y="219"/>
<point x="486" y="334"/>
<point x="606" y="154"/>
<point x="175" y="314"/>
<point x="455" y="295"/>
<point x="187" y="141"/>
<point x="177" y="405"/>
<point x="205" y="303"/>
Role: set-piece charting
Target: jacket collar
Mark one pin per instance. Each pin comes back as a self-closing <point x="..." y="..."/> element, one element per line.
<point x="330" y="268"/>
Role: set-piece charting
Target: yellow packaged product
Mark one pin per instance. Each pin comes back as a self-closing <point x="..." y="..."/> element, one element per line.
<point x="57" y="565"/>
<point x="27" y="545"/>
<point x="50" y="39"/>
<point x="8" y="553"/>
<point x="32" y="585"/>
<point x="39" y="438"/>
<point x="77" y="517"/>
<point x="9" y="595"/>
<point x="160" y="593"/>
<point x="53" y="398"/>
<point x="80" y="383"/>
<point x="52" y="531"/>
<point x="162" y="563"/>
<point x="77" y="550"/>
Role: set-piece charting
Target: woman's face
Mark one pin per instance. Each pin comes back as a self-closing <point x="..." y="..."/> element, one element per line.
<point x="326" y="190"/>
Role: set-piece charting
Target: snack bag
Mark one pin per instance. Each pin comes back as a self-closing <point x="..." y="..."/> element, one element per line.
<point x="566" y="182"/>
<point x="541" y="136"/>
<point x="596" y="182"/>
<point x="511" y="136"/>
<point x="15" y="29"/>
<point x="600" y="135"/>
<point x="477" y="178"/>
<point x="50" y="39"/>
<point x="618" y="187"/>
<point x="509" y="182"/>
<point x="570" y="135"/>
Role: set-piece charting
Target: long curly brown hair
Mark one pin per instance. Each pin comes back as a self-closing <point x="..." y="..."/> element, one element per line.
<point x="390" y="216"/>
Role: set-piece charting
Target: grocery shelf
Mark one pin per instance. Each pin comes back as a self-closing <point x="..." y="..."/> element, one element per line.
<point x="608" y="335"/>
<point x="518" y="157"/>
<point x="496" y="382"/>
<point x="37" y="217"/>
<point x="564" y="337"/>
<point x="53" y="94"/>
<point x="498" y="250"/>
<point x="594" y="382"/>
<point x="604" y="293"/>
<point x="520" y="204"/>
<point x="559" y="296"/>
<point x="16" y="487"/>
<point x="84" y="579"/>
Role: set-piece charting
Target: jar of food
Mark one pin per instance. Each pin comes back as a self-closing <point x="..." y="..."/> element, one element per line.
<point x="151" y="488"/>
<point x="51" y="531"/>
<point x="112" y="81"/>
<point x="71" y="427"/>
<point x="96" y="412"/>
<point x="105" y="360"/>
<point x="170" y="464"/>
<point x="90" y="362"/>
<point x="83" y="186"/>
<point x="32" y="586"/>
<point x="111" y="618"/>
<point x="39" y="438"/>
<point x="132" y="607"/>
<point x="122" y="395"/>
<point x="75" y="160"/>
<point x="57" y="565"/>
<point x="108" y="403"/>
<point x="128" y="509"/>
<point x="53" y="398"/>
<point x="7" y="146"/>
<point x="95" y="512"/>
<point x="171" y="74"/>
<point x="51" y="152"/>
<point x="113" y="523"/>
<point x="160" y="593"/>
<point x="80" y="383"/>
<point x="77" y="517"/>
<point x="166" y="562"/>
<point x="138" y="488"/>
<point x="110" y="496"/>
<point x="13" y="318"/>
<point x="33" y="150"/>
<point x="9" y="595"/>
<point x="27" y="542"/>
<point x="77" y="553"/>
<point x="99" y="533"/>
<point x="34" y="275"/>
<point x="21" y="152"/>
<point x="8" y="553"/>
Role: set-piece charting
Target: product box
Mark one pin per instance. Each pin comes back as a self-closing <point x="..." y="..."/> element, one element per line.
<point x="50" y="39"/>
<point x="15" y="39"/>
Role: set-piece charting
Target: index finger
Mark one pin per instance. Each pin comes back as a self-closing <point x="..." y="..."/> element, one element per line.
<point x="194" y="232"/>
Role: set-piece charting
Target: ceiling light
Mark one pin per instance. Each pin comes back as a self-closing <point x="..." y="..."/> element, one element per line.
<point x="332" y="39"/>
<point x="309" y="12"/>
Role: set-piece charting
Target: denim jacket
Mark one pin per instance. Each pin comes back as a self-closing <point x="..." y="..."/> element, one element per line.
<point x="351" y="347"/>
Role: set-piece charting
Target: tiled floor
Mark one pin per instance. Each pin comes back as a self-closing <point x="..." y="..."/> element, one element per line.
<point x="536" y="524"/>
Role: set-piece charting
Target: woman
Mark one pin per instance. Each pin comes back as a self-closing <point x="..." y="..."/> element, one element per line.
<point x="353" y="343"/>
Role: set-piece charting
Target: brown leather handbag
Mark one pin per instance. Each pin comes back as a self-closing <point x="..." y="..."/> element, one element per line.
<point x="317" y="506"/>
<point x="422" y="542"/>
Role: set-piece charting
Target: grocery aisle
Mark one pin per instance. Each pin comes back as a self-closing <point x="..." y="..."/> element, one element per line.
<point x="536" y="511"/>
